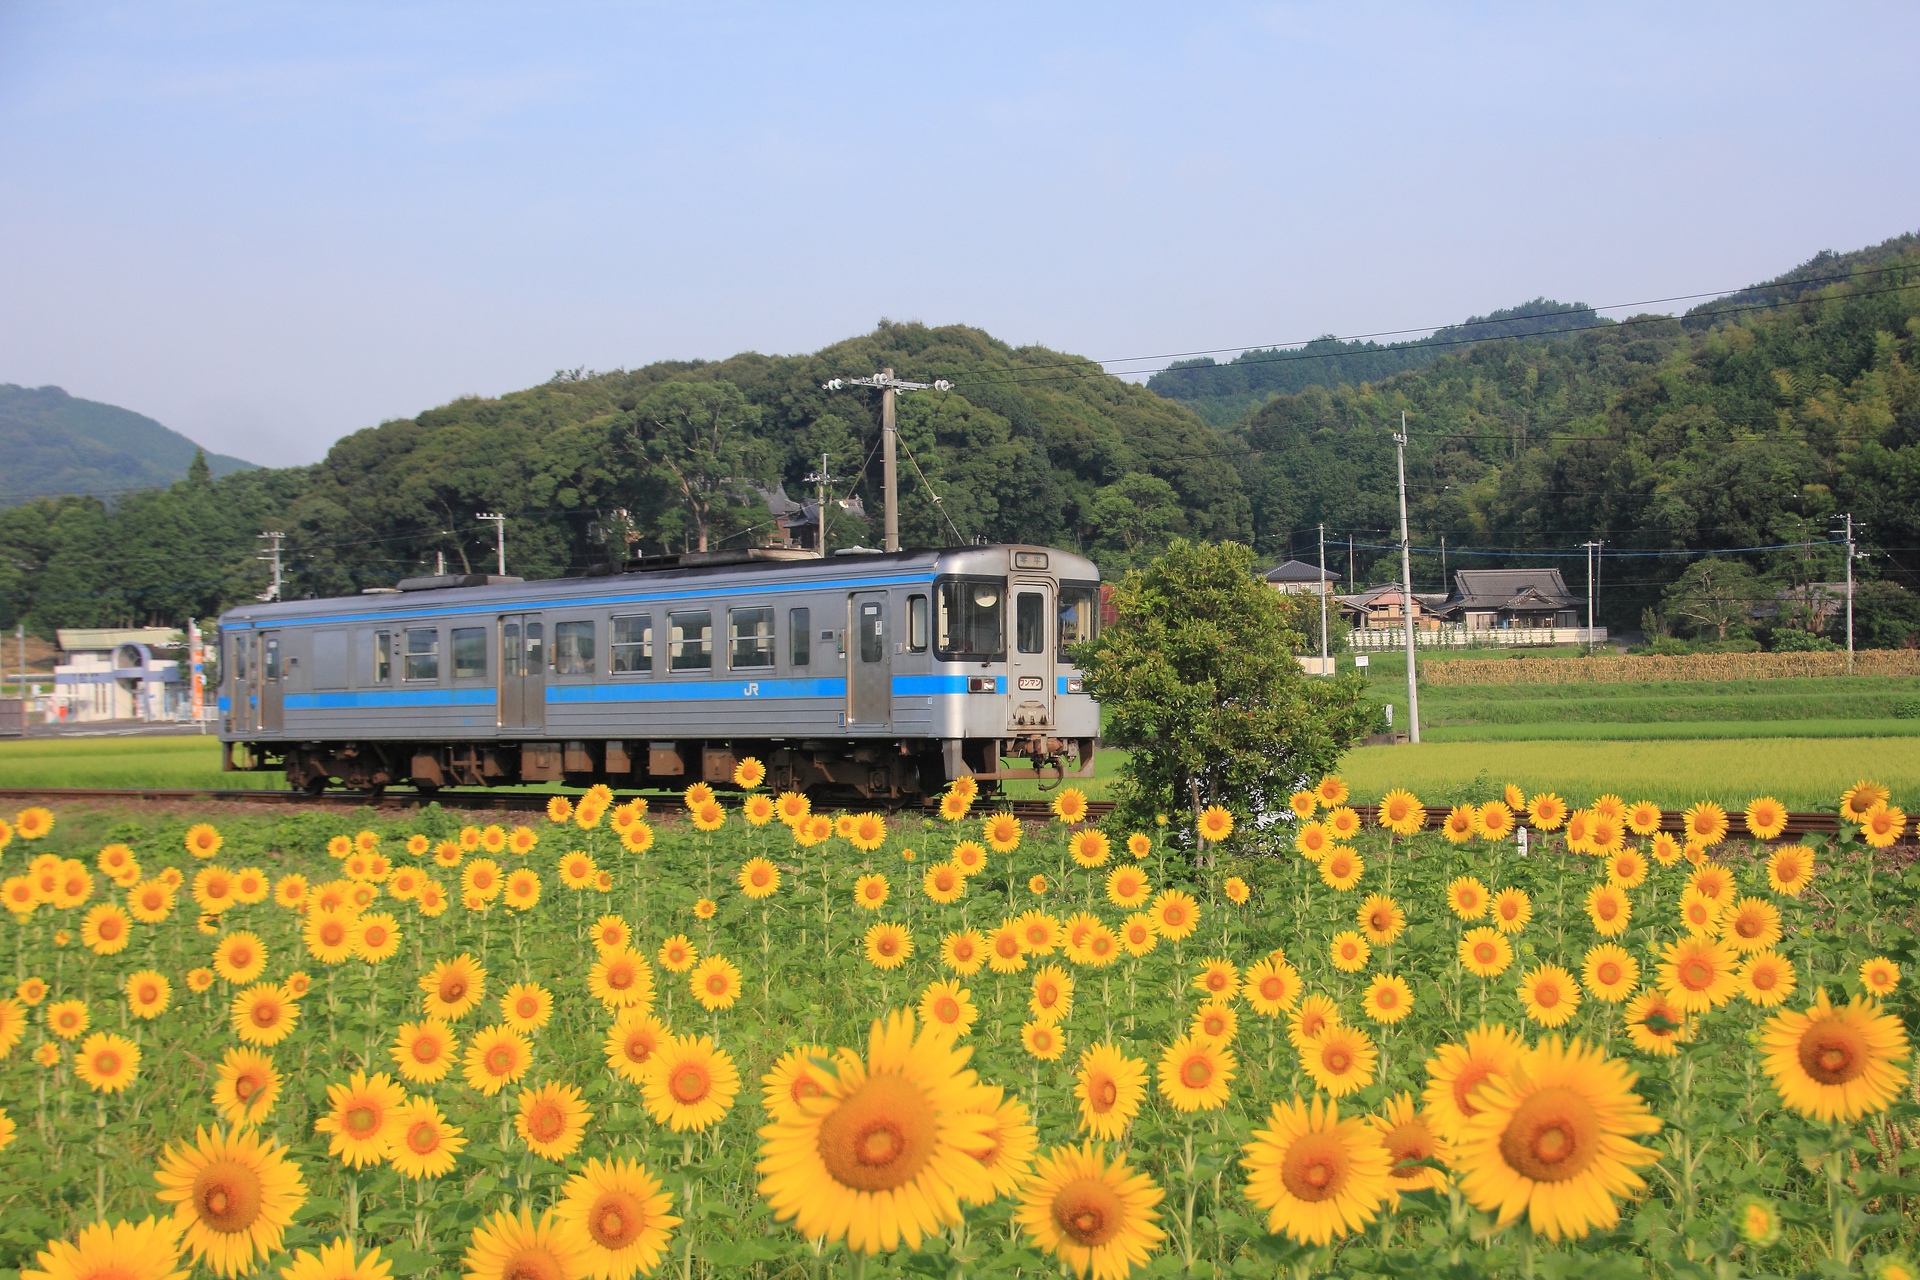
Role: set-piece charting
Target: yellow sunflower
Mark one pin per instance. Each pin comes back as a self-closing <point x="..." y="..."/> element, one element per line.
<point x="1340" y="1059"/>
<point x="106" y="929"/>
<point x="1458" y="826"/>
<point x="1610" y="910"/>
<point x="1554" y="1140"/>
<point x="944" y="883"/>
<point x="1303" y="803"/>
<point x="948" y="1007"/>
<point x="454" y="988"/>
<point x="1880" y="977"/>
<point x="1388" y="998"/>
<point x="264" y="1014"/>
<point x="884" y="1155"/>
<point x="964" y="951"/>
<point x="1381" y="919"/>
<point x="424" y="1051"/>
<point x="1318" y="1177"/>
<point x="495" y="1058"/>
<point x="1790" y="870"/>
<point x="233" y="1197"/>
<point x="1643" y="817"/>
<point x="1546" y="812"/>
<point x="1216" y="823"/>
<point x="715" y="983"/>
<point x="148" y="994"/>
<point x="1313" y="1014"/>
<point x="1767" y="979"/>
<point x="1698" y="973"/>
<point x="1090" y="848"/>
<point x="1610" y="972"/>
<point x="1138" y="934"/>
<point x="506" y="1247"/>
<point x="1751" y="925"/>
<point x="1494" y="820"/>
<point x="376" y="937"/>
<point x="1196" y="1074"/>
<point x="1093" y="1215"/>
<point x="107" y="1063"/>
<point x="1408" y="1139"/>
<point x="1343" y="823"/>
<point x="1549" y="995"/>
<point x="1457" y="1071"/>
<point x="148" y="1250"/>
<point x="689" y="1084"/>
<point x="1467" y="898"/>
<point x="551" y="1119"/>
<point x="1835" y="1062"/>
<point x="1218" y="977"/>
<point x="329" y="935"/>
<point x="1656" y="1024"/>
<point x="526" y="1007"/>
<point x="1349" y="951"/>
<point x="1109" y="1086"/>
<point x="1342" y="868"/>
<point x="887" y="945"/>
<point x="1766" y="818"/>
<point x="1512" y="909"/>
<point x="247" y="1086"/>
<point x="1705" y="824"/>
<point x="1627" y="869"/>
<point x="360" y="1117"/>
<point x="1270" y="987"/>
<point x="1401" y="813"/>
<point x="1044" y="1041"/>
<point x="617" y="1217"/>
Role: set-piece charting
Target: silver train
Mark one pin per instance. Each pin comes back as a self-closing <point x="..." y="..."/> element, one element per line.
<point x="883" y="674"/>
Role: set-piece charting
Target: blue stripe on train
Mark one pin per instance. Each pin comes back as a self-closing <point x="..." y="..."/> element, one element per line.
<point x="388" y="698"/>
<point x="696" y="690"/>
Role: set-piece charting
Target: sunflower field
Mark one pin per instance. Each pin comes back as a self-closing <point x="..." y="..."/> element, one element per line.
<point x="1516" y="1037"/>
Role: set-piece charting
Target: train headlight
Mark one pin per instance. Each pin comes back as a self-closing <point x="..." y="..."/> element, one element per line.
<point x="1076" y="685"/>
<point x="981" y="684"/>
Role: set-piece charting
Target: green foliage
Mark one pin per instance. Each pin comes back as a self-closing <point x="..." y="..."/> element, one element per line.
<point x="590" y="468"/>
<point x="1198" y="677"/>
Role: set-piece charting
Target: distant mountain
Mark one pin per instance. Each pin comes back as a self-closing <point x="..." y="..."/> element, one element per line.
<point x="1822" y="271"/>
<point x="1223" y="393"/>
<point x="52" y="443"/>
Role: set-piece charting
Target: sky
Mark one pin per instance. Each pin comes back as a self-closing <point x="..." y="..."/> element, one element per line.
<point x="268" y="225"/>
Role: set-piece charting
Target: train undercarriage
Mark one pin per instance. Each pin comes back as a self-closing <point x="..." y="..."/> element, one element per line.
<point x="875" y="770"/>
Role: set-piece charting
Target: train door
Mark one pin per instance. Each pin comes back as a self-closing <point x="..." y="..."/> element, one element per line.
<point x="1029" y="658"/>
<point x="869" y="662"/>
<point x="242" y="703"/>
<point x="523" y="672"/>
<point x="272" y="683"/>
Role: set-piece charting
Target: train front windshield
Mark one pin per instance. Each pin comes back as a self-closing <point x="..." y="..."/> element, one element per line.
<point x="972" y="622"/>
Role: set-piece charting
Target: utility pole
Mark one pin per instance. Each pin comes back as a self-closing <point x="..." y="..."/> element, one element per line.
<point x="1593" y="574"/>
<point x="820" y="480"/>
<point x="889" y="386"/>
<point x="1324" y="591"/>
<point x="440" y="564"/>
<point x="1849" y="592"/>
<point x="499" y="535"/>
<point x="272" y="553"/>
<point x="1406" y="584"/>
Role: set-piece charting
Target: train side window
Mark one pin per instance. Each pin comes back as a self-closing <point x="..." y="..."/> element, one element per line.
<point x="690" y="641"/>
<point x="800" y="636"/>
<point x="573" y="648"/>
<point x="633" y="644"/>
<point x="382" y="657"/>
<point x="239" y="660"/>
<point x="750" y="637"/>
<point x="873" y="632"/>
<point x="536" y="649"/>
<point x="917" y="623"/>
<point x="1030" y="623"/>
<point x="469" y="653"/>
<point x="271" y="661"/>
<point x="423" y="654"/>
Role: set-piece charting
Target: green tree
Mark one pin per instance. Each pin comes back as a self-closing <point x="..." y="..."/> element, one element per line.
<point x="1714" y="594"/>
<point x="1198" y="678"/>
<point x="1135" y="516"/>
<point x="700" y="436"/>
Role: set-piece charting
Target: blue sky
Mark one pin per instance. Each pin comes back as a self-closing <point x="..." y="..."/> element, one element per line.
<point x="268" y="225"/>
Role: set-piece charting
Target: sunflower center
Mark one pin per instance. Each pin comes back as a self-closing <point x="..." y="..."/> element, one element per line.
<point x="1315" y="1168"/>
<point x="333" y="933"/>
<point x="689" y="1083"/>
<point x="106" y="1063"/>
<point x="1696" y="974"/>
<point x="453" y="990"/>
<point x="946" y="1009"/>
<point x="1089" y="1211"/>
<point x="546" y="1123"/>
<point x="879" y="1137"/>
<point x="426" y="1049"/>
<point x="1608" y="973"/>
<point x="362" y="1120"/>
<point x="1103" y="1093"/>
<point x="717" y="982"/>
<point x="1407" y="1143"/>
<point x="1552" y="1136"/>
<point x="616" y="1219"/>
<point x="1748" y="926"/>
<point x="1546" y="995"/>
<point x="499" y="1060"/>
<point x="266" y="1014"/>
<point x="527" y="1007"/>
<point x="245" y="1085"/>
<point x="533" y="1263"/>
<point x="1833" y="1052"/>
<point x="1484" y="953"/>
<point x="1471" y="1076"/>
<point x="1336" y="1059"/>
<point x="227" y="1195"/>
<point x="1763" y="978"/>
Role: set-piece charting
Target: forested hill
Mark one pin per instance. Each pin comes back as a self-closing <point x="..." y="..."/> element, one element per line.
<point x="1031" y="445"/>
<point x="55" y="443"/>
<point x="1222" y="394"/>
<point x="1755" y="428"/>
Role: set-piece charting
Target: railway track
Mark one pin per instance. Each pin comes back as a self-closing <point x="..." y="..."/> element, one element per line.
<point x="402" y="798"/>
<point x="1798" y="824"/>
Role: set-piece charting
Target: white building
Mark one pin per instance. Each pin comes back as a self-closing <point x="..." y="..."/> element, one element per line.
<point x="111" y="674"/>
